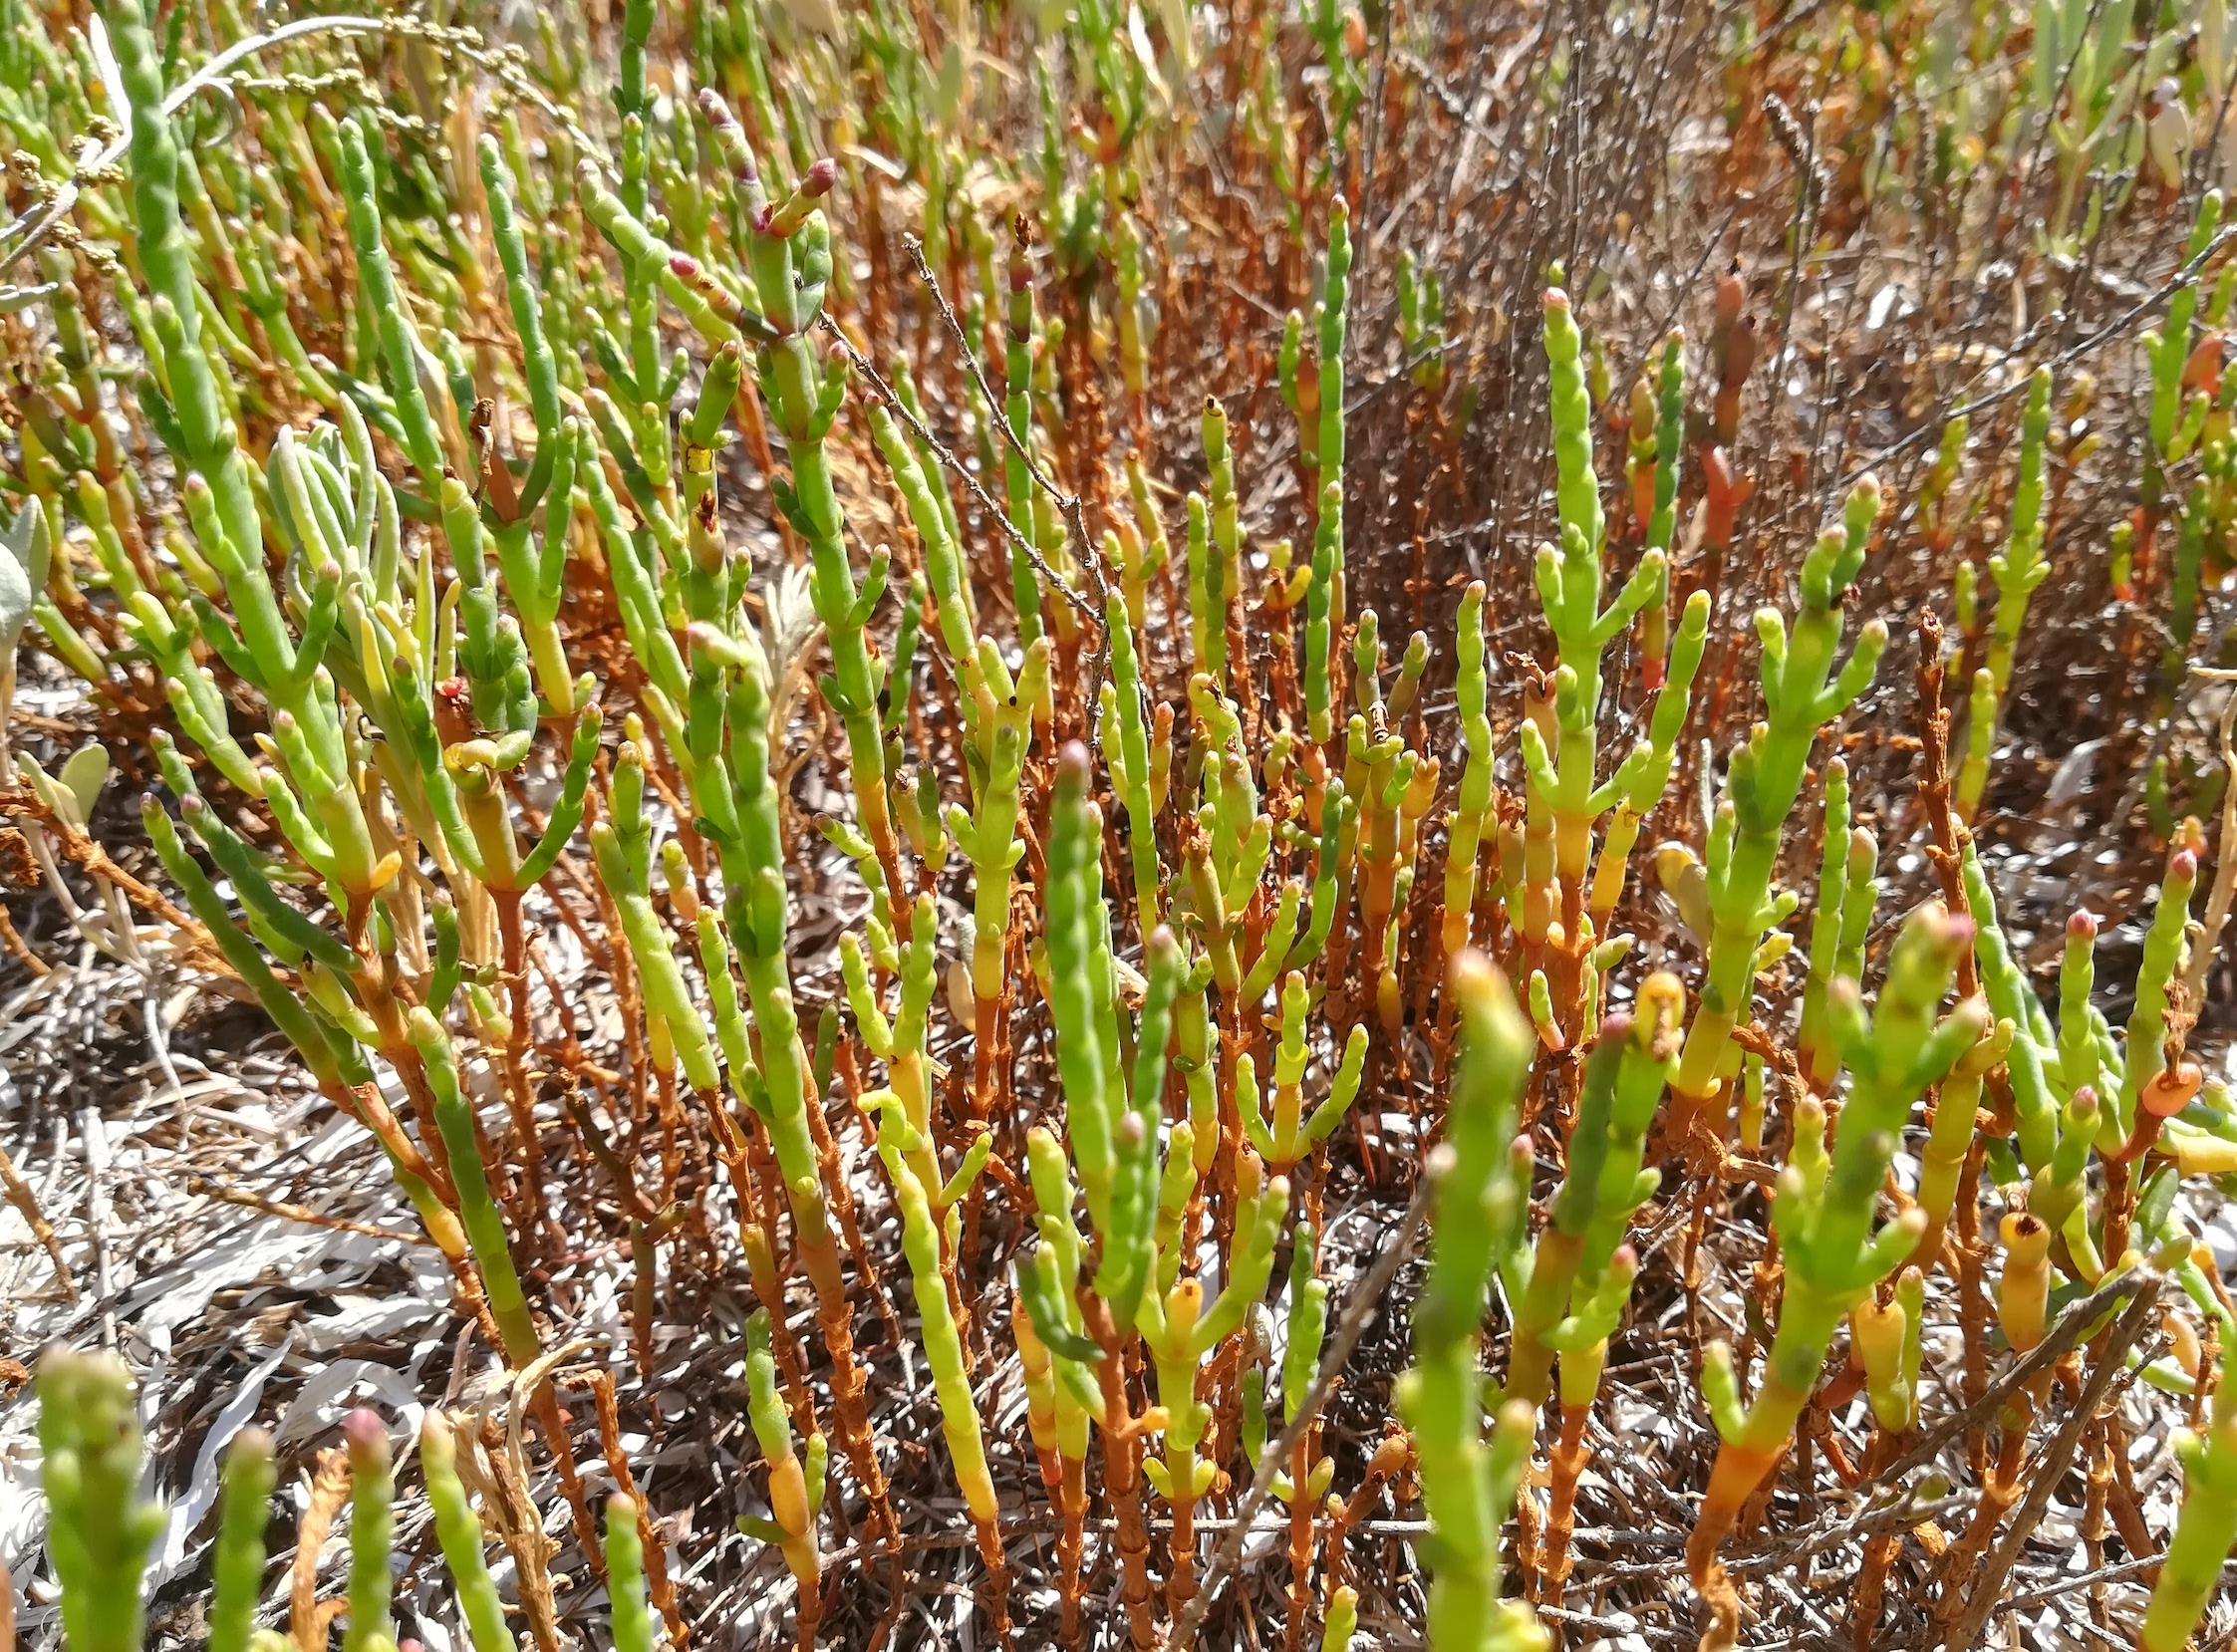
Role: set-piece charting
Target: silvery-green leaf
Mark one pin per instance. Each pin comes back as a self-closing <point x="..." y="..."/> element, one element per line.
<point x="83" y="775"/>
<point x="43" y="784"/>
<point x="15" y="600"/>
<point x="23" y="571"/>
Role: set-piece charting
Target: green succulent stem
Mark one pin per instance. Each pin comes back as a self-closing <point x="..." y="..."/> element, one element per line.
<point x="1802" y="693"/>
<point x="1825" y="1209"/>
<point x="1467" y="1482"/>
<point x="631" y="1616"/>
<point x="99" y="1531"/>
<point x="237" y="1565"/>
<point x="2205" y="1530"/>
<point x="478" y="1209"/>
<point x="458" y="1529"/>
<point x="369" y="1625"/>
<point x="1556" y="1284"/>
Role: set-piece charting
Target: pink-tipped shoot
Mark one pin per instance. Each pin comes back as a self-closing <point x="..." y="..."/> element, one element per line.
<point x="365" y="1434"/>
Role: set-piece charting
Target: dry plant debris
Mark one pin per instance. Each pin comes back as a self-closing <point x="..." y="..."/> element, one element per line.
<point x="1091" y="825"/>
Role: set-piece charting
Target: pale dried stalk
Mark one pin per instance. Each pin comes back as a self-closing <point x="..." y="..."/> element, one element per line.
<point x="2224" y="894"/>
